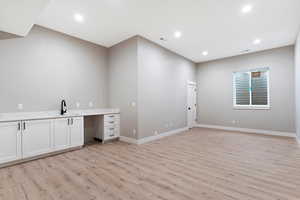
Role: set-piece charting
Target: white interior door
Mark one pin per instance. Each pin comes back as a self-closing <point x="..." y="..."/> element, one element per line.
<point x="192" y="105"/>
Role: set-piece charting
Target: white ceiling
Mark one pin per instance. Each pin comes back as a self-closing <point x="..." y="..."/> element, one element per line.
<point x="216" y="26"/>
<point x="18" y="16"/>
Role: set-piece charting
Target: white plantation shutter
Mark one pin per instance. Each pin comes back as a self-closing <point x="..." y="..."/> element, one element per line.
<point x="259" y="88"/>
<point x="251" y="88"/>
<point x="242" y="87"/>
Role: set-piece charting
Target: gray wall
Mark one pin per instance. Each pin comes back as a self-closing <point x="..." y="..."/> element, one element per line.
<point x="46" y="66"/>
<point x="123" y="83"/>
<point x="215" y="104"/>
<point x="162" y="89"/>
<point x="297" y="83"/>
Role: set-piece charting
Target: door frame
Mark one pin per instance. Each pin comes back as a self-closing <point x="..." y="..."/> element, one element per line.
<point x="190" y="83"/>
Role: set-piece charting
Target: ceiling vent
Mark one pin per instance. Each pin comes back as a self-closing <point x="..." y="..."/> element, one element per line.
<point x="162" y="39"/>
<point x="246" y="51"/>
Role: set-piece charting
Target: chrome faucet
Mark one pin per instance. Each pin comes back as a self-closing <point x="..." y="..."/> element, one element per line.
<point x="63" y="107"/>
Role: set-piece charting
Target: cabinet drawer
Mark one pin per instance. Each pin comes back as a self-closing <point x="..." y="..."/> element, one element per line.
<point x="111" y="132"/>
<point x="112" y="117"/>
<point x="112" y="122"/>
<point x="111" y="126"/>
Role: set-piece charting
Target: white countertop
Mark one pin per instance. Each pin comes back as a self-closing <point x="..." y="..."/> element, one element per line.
<point x="21" y="116"/>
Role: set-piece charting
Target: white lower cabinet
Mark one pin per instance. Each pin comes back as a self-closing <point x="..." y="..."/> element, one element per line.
<point x="61" y="133"/>
<point x="26" y="139"/>
<point x="111" y="127"/>
<point x="36" y="137"/>
<point x="10" y="142"/>
<point x="76" y="132"/>
<point x="68" y="133"/>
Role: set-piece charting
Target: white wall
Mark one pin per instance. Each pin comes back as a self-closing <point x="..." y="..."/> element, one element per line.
<point x="156" y="80"/>
<point x="297" y="83"/>
<point x="215" y="91"/>
<point x="46" y="66"/>
<point x="162" y="89"/>
<point x="123" y="83"/>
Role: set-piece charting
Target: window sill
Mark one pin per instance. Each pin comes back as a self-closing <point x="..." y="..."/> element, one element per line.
<point x="239" y="107"/>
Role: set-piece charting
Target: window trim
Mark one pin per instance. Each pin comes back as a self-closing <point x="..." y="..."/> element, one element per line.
<point x="250" y="106"/>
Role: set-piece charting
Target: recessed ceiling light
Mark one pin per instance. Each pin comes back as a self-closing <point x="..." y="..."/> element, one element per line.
<point x="177" y="34"/>
<point x="78" y="17"/>
<point x="247" y="8"/>
<point x="205" y="53"/>
<point x="257" y="41"/>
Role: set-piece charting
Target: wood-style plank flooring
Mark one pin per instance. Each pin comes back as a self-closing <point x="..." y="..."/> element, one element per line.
<point x="198" y="164"/>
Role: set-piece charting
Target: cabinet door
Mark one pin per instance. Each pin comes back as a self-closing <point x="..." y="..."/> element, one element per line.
<point x="61" y="134"/>
<point x="10" y="142"/>
<point x="36" y="137"/>
<point x="77" y="132"/>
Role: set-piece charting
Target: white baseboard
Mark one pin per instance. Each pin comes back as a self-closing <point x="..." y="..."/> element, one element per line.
<point x="247" y="130"/>
<point x="128" y="140"/>
<point x="152" y="138"/>
<point x="156" y="137"/>
<point x="298" y="140"/>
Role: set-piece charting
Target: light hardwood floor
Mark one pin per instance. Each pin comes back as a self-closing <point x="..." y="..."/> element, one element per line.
<point x="198" y="164"/>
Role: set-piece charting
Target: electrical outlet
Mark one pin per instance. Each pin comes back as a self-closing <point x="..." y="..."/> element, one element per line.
<point x="167" y="125"/>
<point x="77" y="104"/>
<point x="155" y="132"/>
<point x="20" y="106"/>
<point x="134" y="132"/>
<point x="233" y="122"/>
<point x="91" y="104"/>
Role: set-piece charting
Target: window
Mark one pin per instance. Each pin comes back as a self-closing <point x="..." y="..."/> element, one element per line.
<point x="251" y="89"/>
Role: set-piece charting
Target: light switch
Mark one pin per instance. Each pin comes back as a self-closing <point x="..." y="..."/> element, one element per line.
<point x="91" y="104"/>
<point x="133" y="104"/>
<point x="77" y="104"/>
